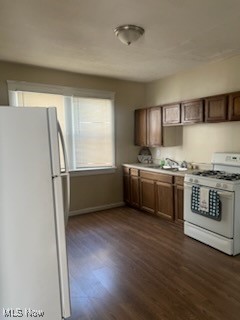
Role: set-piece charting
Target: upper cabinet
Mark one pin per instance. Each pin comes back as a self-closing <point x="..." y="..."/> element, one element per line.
<point x="141" y="127"/>
<point x="154" y="127"/>
<point x="162" y="125"/>
<point x="149" y="131"/>
<point x="148" y="127"/>
<point x="186" y="112"/>
<point x="234" y="106"/>
<point x="192" y="111"/>
<point x="171" y="114"/>
<point x="216" y="108"/>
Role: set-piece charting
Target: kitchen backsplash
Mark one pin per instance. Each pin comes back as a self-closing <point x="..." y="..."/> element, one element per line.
<point x="158" y="159"/>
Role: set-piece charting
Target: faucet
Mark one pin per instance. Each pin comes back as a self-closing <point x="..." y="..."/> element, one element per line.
<point x="184" y="164"/>
<point x="172" y="162"/>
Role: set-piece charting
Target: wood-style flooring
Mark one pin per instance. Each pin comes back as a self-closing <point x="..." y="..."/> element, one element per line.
<point x="125" y="264"/>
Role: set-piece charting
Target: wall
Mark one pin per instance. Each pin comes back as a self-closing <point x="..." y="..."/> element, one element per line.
<point x="100" y="190"/>
<point x="201" y="140"/>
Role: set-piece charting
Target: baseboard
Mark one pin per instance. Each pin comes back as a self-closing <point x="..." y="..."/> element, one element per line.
<point x="98" y="208"/>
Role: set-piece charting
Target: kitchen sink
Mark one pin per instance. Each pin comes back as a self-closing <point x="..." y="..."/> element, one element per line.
<point x="154" y="166"/>
<point x="167" y="168"/>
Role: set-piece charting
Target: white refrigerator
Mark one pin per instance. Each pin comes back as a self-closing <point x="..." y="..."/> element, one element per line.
<point x="33" y="260"/>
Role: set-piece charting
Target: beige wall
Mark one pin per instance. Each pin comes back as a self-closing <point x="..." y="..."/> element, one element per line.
<point x="199" y="141"/>
<point x="100" y="190"/>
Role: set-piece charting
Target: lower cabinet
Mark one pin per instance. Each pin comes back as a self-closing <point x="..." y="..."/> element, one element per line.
<point x="134" y="191"/>
<point x="147" y="195"/>
<point x="165" y="200"/>
<point x="126" y="188"/>
<point x="131" y="187"/>
<point x="160" y="194"/>
<point x="156" y="193"/>
<point x="178" y="198"/>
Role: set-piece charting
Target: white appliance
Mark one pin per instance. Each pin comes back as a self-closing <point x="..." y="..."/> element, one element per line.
<point x="212" y="204"/>
<point x="33" y="260"/>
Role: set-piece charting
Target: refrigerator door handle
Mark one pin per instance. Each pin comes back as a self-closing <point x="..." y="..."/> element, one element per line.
<point x="62" y="250"/>
<point x="67" y="196"/>
<point x="63" y="148"/>
<point x="65" y="174"/>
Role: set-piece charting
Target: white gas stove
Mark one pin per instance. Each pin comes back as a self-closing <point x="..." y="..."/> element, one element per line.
<point x="212" y="204"/>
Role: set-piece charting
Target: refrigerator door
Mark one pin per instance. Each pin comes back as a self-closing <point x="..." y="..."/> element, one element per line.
<point x="56" y="137"/>
<point x="61" y="239"/>
<point x="29" y="268"/>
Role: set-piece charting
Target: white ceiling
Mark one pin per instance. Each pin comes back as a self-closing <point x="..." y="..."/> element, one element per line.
<point x="77" y="35"/>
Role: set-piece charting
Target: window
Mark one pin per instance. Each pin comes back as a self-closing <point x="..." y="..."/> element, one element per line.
<point x="86" y="118"/>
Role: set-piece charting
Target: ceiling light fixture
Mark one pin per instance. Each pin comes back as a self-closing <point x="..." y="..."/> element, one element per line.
<point x="128" y="33"/>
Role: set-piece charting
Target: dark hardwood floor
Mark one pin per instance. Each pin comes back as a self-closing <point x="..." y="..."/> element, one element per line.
<point x="125" y="264"/>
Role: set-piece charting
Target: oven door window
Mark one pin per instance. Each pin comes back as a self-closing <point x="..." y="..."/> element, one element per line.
<point x="223" y="227"/>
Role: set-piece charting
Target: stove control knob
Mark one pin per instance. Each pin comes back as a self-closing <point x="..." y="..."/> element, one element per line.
<point x="196" y="181"/>
<point x="191" y="180"/>
<point x="225" y="186"/>
<point x="218" y="185"/>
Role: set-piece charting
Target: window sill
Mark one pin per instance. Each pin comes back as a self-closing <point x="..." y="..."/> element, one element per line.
<point x="92" y="171"/>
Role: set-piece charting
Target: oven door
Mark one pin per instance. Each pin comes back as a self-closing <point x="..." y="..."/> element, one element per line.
<point x="223" y="227"/>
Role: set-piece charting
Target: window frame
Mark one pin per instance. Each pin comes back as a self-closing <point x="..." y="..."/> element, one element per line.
<point x="67" y="92"/>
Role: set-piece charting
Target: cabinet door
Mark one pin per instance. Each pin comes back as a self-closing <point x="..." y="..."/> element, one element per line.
<point x="178" y="203"/>
<point x="154" y="126"/>
<point x="134" y="191"/>
<point x="192" y="111"/>
<point x="234" y="107"/>
<point x="178" y="198"/>
<point x="126" y="190"/>
<point x="164" y="199"/>
<point x="171" y="114"/>
<point x="216" y="109"/>
<point x="147" y="195"/>
<point x="141" y="127"/>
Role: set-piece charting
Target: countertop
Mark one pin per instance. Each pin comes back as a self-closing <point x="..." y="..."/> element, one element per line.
<point x="151" y="168"/>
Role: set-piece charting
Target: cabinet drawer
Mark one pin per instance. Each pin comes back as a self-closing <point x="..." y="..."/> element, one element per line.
<point x="134" y="172"/>
<point x="179" y="180"/>
<point x="156" y="176"/>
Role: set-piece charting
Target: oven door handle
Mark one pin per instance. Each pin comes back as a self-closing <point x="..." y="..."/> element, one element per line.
<point x="225" y="194"/>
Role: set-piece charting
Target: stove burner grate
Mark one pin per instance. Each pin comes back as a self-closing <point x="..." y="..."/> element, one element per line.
<point x="222" y="175"/>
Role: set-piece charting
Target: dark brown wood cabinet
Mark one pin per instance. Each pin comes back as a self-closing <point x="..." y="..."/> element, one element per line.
<point x="234" y="106"/>
<point x="192" y="111"/>
<point x="178" y="198"/>
<point x="134" y="188"/>
<point x="148" y="127"/>
<point x="147" y="195"/>
<point x="126" y="185"/>
<point x="164" y="200"/>
<point x="151" y="123"/>
<point x="216" y="108"/>
<point x="140" y="127"/>
<point x="171" y="114"/>
<point x="156" y="193"/>
<point x="154" y="127"/>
